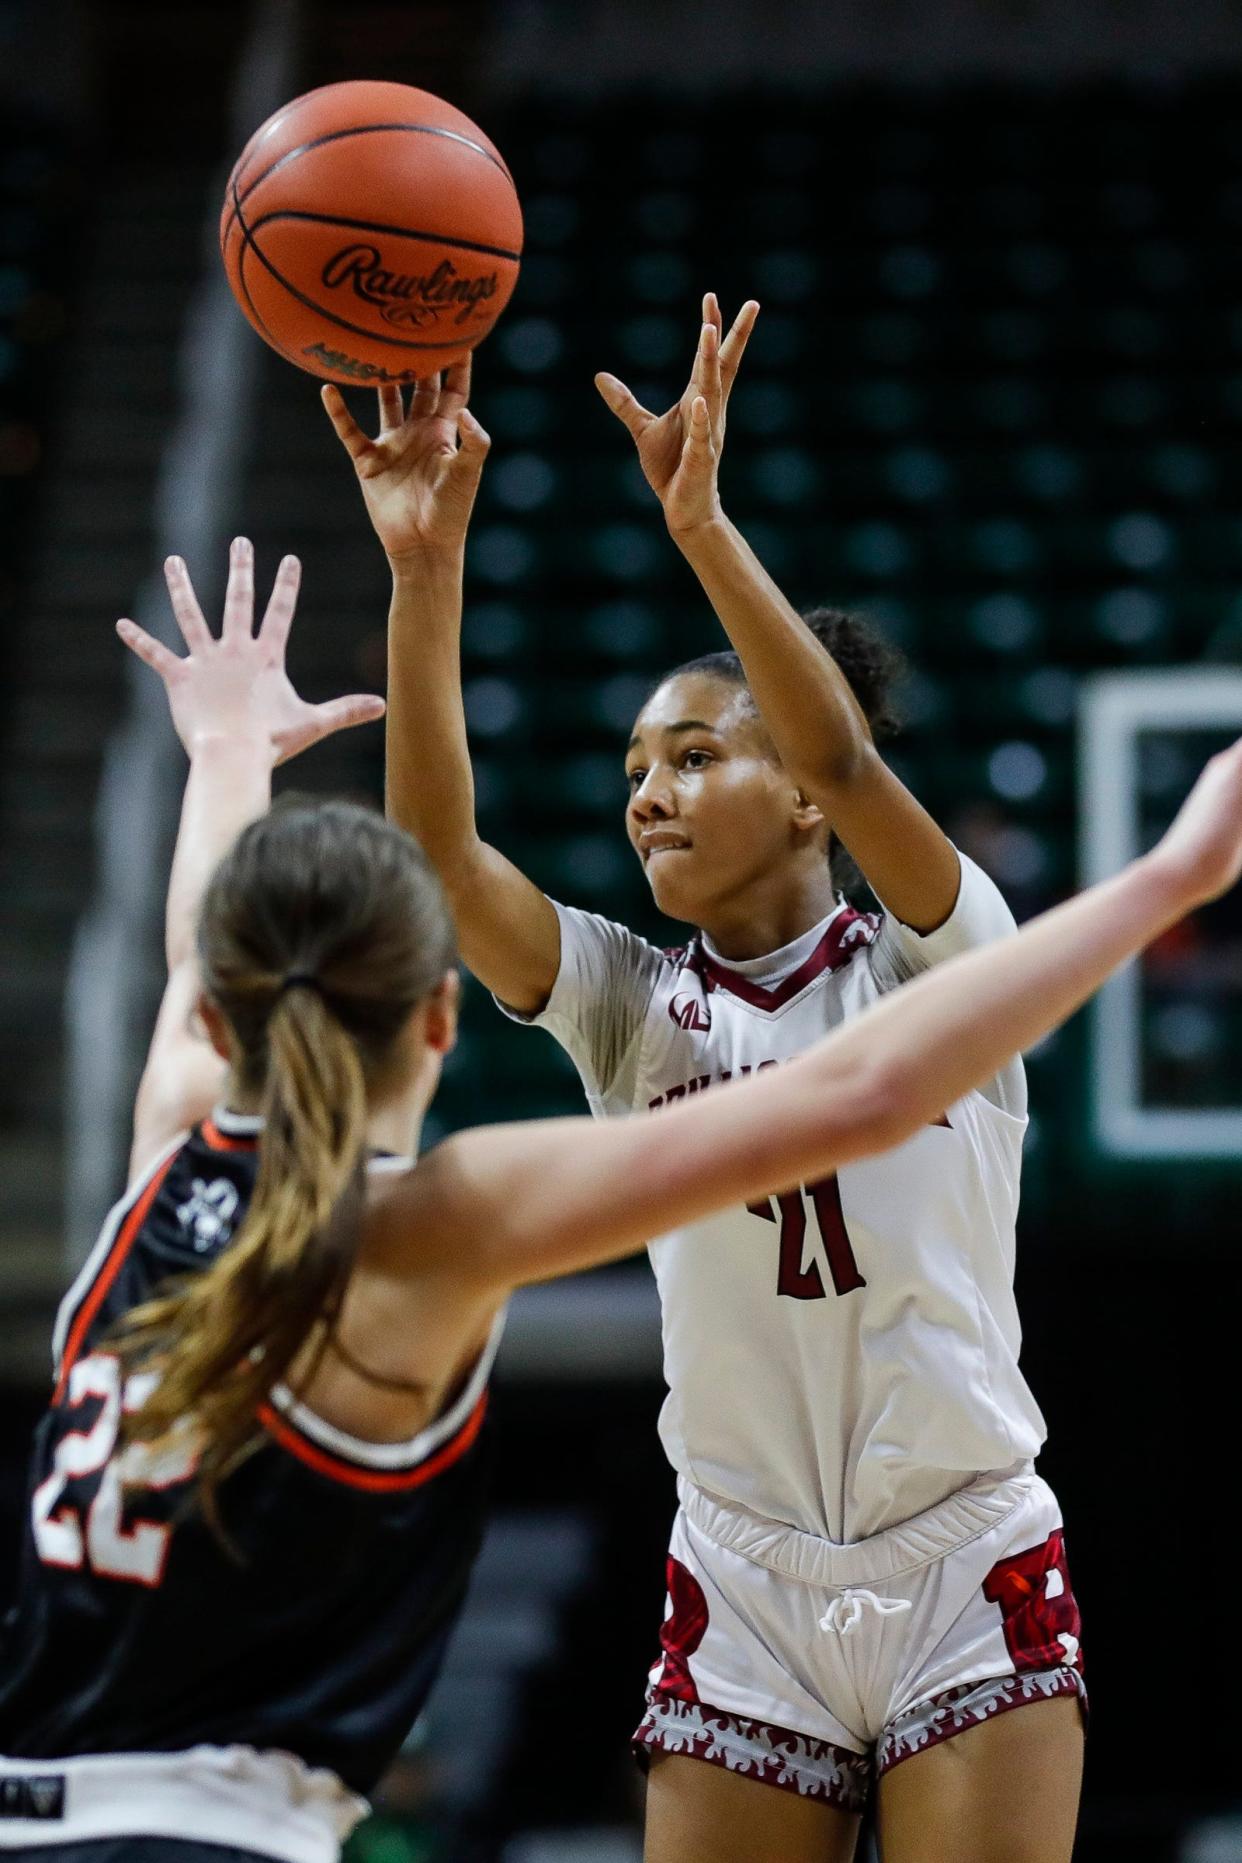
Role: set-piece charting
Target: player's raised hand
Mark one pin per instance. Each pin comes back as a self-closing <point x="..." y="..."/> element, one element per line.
<point x="1202" y="849"/>
<point x="420" y="473"/>
<point x="679" y="451"/>
<point x="234" y="687"/>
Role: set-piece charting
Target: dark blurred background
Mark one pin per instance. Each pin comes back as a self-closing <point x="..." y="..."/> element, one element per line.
<point x="994" y="399"/>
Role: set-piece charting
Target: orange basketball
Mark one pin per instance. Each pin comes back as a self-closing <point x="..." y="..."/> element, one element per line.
<point x="371" y="233"/>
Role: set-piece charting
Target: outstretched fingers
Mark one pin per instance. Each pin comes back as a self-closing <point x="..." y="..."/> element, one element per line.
<point x="473" y="436"/>
<point x="425" y="400"/>
<point x="189" y="616"/>
<point x="734" y="345"/>
<point x="347" y="430"/>
<point x="278" y="616"/>
<point x="455" y="391"/>
<point x="356" y="709"/>
<point x="152" y="652"/>
<point x="391" y="407"/>
<point x="239" y="591"/>
<point x="698" y="448"/>
<point x="628" y="411"/>
<point x="707" y="371"/>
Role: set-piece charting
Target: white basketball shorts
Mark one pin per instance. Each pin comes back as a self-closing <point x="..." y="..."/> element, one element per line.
<point x="817" y="1667"/>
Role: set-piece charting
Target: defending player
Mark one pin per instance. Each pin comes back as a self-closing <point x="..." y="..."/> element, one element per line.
<point x="865" y="1564"/>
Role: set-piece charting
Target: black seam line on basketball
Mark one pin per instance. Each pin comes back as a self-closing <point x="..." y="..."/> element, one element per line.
<point x="259" y="318"/>
<point x="232" y="188"/>
<point x="401" y="232"/>
<point x="247" y="245"/>
<point x="373" y="129"/>
<point x="342" y="323"/>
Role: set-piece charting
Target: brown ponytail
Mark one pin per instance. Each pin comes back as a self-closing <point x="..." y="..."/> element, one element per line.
<point x="321" y="932"/>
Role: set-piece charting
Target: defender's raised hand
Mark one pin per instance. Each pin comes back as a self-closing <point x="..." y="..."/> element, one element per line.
<point x="420" y="474"/>
<point x="679" y="451"/>
<point x="1203" y="846"/>
<point x="235" y="687"/>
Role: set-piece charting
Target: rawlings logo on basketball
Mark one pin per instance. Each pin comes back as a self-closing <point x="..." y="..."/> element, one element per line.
<point x="407" y="300"/>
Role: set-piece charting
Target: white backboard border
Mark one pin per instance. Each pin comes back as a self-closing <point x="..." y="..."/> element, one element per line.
<point x="1113" y="710"/>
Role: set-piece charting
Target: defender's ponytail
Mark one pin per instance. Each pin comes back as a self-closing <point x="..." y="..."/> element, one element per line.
<point x="223" y="1338"/>
<point x="321" y="932"/>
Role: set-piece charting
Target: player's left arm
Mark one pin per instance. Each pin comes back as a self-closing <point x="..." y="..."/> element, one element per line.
<point x="237" y="717"/>
<point x="812" y="716"/>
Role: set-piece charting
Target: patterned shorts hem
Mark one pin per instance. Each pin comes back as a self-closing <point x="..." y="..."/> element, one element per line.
<point x="755" y="1750"/>
<point x="930" y="1723"/>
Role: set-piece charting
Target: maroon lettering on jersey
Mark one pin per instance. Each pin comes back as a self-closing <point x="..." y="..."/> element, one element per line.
<point x="793" y="1280"/>
<point x="681" y="1632"/>
<point x="1041" y="1621"/>
<point x="826" y="1196"/>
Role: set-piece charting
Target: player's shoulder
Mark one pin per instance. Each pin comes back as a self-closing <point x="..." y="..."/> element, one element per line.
<point x="174" y="1217"/>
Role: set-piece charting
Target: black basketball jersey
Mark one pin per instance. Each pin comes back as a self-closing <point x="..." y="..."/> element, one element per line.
<point x="135" y="1630"/>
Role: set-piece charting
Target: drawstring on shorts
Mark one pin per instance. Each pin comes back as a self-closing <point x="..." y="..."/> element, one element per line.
<point x="845" y="1612"/>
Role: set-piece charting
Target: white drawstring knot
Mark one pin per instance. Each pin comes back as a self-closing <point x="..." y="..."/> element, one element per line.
<point x="846" y="1611"/>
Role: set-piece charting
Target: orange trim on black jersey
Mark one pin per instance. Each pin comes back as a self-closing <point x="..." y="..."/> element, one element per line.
<point x="108" y="1273"/>
<point x="353" y="1474"/>
<point x="227" y="1141"/>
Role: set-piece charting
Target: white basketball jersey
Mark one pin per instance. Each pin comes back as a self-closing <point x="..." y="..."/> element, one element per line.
<point x="843" y="1357"/>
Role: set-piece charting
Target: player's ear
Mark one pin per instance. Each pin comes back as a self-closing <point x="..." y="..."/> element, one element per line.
<point x="440" y="1014"/>
<point x="214" y="1026"/>
<point x="807" y="815"/>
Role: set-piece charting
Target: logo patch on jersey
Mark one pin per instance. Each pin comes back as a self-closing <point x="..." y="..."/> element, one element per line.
<point x="208" y="1211"/>
<point x="690" y="1012"/>
<point x="33" y="1795"/>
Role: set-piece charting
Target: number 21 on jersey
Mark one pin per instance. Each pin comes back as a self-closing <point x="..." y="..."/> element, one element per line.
<point x="97" y="1535"/>
<point x="799" y="1276"/>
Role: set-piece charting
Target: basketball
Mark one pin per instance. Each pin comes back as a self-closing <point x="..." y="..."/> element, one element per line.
<point x="371" y="233"/>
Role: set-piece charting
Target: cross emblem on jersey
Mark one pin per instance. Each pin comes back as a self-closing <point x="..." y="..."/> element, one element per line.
<point x="807" y="1249"/>
<point x="208" y="1211"/>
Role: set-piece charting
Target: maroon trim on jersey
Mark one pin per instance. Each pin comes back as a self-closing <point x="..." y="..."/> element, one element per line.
<point x="835" y="949"/>
<point x="107" y="1274"/>
<point x="356" y="1474"/>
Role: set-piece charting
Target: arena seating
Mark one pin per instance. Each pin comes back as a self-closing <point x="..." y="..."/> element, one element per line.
<point x="994" y="399"/>
<point x="983" y="403"/>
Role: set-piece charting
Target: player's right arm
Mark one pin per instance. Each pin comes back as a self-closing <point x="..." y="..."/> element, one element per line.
<point x="521" y="1203"/>
<point x="419" y="477"/>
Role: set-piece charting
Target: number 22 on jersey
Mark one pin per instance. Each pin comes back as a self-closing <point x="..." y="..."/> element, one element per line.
<point x="96" y="1535"/>
<point x="799" y="1276"/>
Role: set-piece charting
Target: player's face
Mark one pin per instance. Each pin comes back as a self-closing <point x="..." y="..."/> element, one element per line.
<point x="711" y="811"/>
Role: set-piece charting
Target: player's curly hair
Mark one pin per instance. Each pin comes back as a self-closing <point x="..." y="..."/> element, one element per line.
<point x="874" y="669"/>
<point x="321" y="931"/>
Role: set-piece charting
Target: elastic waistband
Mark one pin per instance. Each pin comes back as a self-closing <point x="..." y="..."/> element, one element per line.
<point x="963" y="1517"/>
<point x="267" y="1801"/>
